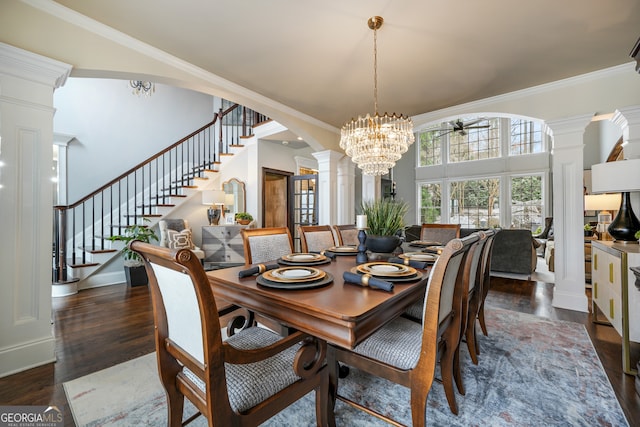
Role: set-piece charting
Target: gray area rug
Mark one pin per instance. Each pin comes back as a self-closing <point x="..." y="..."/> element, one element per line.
<point x="532" y="372"/>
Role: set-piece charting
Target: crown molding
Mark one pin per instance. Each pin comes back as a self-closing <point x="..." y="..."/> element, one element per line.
<point x="30" y="66"/>
<point x="483" y="104"/>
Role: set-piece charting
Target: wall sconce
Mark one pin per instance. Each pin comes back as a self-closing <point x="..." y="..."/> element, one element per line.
<point x="215" y="200"/>
<point x="619" y="177"/>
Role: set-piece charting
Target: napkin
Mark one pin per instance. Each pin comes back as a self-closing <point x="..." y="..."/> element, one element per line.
<point x="328" y="254"/>
<point x="411" y="263"/>
<point x="367" y="280"/>
<point x="257" y="269"/>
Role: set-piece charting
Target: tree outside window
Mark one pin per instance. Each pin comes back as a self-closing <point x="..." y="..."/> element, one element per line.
<point x="430" y="203"/>
<point x="475" y="203"/>
<point x="526" y="202"/>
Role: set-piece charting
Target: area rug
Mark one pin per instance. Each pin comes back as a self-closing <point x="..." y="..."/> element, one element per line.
<point x="532" y="372"/>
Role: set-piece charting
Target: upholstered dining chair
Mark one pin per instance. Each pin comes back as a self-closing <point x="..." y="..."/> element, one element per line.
<point x="441" y="233"/>
<point x="486" y="283"/>
<point x="266" y="244"/>
<point x="406" y="352"/>
<point x="244" y="380"/>
<point x="315" y="238"/>
<point x="346" y="234"/>
<point x="478" y="284"/>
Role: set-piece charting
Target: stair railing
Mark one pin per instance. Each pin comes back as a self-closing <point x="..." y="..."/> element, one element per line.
<point x="142" y="190"/>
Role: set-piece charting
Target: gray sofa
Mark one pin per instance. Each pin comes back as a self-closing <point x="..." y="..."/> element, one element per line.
<point x="513" y="249"/>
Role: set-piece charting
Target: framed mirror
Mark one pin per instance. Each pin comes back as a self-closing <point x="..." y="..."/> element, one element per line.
<point x="235" y="197"/>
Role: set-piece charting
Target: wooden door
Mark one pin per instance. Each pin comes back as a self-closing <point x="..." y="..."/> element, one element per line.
<point x="275" y="197"/>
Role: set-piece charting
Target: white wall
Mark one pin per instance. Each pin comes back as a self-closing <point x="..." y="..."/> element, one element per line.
<point x="115" y="130"/>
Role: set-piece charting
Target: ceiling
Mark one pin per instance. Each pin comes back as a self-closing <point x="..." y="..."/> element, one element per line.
<point x="317" y="58"/>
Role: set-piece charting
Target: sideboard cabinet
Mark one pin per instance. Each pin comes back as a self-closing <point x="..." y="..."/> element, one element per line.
<point x="614" y="291"/>
<point x="222" y="245"/>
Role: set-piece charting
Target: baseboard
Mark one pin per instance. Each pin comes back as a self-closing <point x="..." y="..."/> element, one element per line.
<point x="27" y="355"/>
<point x="104" y="279"/>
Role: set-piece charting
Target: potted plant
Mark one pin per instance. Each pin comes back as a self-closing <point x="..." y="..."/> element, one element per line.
<point x="637" y="235"/>
<point x="588" y="230"/>
<point x="243" y="218"/>
<point x="385" y="221"/>
<point x="134" y="270"/>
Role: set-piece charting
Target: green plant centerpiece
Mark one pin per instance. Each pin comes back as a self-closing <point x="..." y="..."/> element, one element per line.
<point x="385" y="221"/>
<point x="133" y="264"/>
<point x="244" y="218"/>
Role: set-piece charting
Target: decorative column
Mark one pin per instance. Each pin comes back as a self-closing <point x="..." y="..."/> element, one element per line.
<point x="628" y="119"/>
<point x="346" y="191"/>
<point x="371" y="187"/>
<point x="568" y="212"/>
<point x="327" y="186"/>
<point x="27" y="82"/>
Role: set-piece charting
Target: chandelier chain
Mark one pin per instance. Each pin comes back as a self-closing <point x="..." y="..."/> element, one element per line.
<point x="375" y="71"/>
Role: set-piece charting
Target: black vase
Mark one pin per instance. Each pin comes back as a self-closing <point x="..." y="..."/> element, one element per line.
<point x="625" y="224"/>
<point x="382" y="244"/>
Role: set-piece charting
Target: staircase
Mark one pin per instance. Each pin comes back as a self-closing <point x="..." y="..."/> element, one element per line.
<point x="143" y="195"/>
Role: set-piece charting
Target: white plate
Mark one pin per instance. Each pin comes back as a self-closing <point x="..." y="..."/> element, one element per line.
<point x="420" y="256"/>
<point x="295" y="273"/>
<point x="381" y="268"/>
<point x="302" y="257"/>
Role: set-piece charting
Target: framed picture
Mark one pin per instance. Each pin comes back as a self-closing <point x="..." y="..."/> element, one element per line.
<point x="229" y="219"/>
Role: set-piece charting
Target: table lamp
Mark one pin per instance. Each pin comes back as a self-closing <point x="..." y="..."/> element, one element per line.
<point x="215" y="200"/>
<point x="604" y="203"/>
<point x="619" y="177"/>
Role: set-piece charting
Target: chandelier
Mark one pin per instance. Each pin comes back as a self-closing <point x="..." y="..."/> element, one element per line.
<point x="376" y="142"/>
<point x="142" y="88"/>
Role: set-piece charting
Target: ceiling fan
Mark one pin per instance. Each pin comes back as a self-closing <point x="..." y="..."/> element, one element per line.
<point x="461" y="127"/>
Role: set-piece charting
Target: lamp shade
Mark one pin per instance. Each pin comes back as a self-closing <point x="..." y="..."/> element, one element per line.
<point x="612" y="177"/>
<point x="212" y="197"/>
<point x="602" y="202"/>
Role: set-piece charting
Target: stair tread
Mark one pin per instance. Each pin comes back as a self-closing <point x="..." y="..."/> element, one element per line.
<point x="86" y="264"/>
<point x="96" y="251"/>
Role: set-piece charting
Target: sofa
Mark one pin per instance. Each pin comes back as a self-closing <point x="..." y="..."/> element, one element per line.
<point x="514" y="250"/>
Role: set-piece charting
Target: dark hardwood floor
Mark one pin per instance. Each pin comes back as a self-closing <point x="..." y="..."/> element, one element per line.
<point x="102" y="327"/>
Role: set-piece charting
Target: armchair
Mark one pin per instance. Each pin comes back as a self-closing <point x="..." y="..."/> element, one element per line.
<point x="244" y="380"/>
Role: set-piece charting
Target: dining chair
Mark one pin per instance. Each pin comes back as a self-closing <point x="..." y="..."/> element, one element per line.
<point x="486" y="283"/>
<point x="315" y="238"/>
<point x="347" y="234"/>
<point x="441" y="233"/>
<point x="477" y="287"/>
<point x="244" y="380"/>
<point x="266" y="244"/>
<point x="406" y="352"/>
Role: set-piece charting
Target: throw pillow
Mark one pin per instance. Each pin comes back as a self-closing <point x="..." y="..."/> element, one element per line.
<point x="179" y="239"/>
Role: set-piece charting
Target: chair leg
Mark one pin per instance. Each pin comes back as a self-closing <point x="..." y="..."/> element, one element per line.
<point x="481" y="319"/>
<point x="471" y="343"/>
<point x="446" y="367"/>
<point x="175" y="406"/>
<point x="457" y="374"/>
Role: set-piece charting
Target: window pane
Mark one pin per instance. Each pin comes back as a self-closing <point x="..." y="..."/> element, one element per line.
<point x="475" y="143"/>
<point x="430" y="148"/>
<point x="430" y="203"/>
<point x="526" y="137"/>
<point x="526" y="202"/>
<point x="475" y="203"/>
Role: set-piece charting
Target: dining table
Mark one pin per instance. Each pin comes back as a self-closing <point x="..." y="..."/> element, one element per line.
<point x="338" y="312"/>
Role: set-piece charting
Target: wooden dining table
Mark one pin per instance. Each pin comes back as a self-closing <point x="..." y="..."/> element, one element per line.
<point x="340" y="313"/>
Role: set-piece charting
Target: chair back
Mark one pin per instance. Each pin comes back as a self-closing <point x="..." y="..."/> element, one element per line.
<point x="266" y="244"/>
<point x="346" y="234"/>
<point x="315" y="238"/>
<point x="441" y="233"/>
<point x="444" y="285"/>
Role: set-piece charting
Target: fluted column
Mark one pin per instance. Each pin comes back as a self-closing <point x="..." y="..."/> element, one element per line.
<point x="27" y="82"/>
<point x="568" y="212"/>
